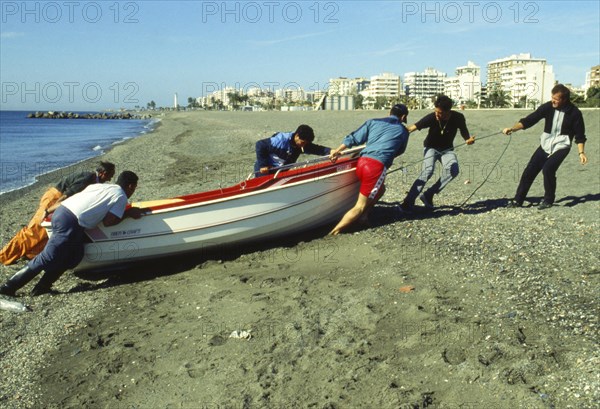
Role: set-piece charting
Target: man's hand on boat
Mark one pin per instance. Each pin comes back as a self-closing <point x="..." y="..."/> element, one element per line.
<point x="265" y="169"/>
<point x="335" y="153"/>
<point x="136" y="212"/>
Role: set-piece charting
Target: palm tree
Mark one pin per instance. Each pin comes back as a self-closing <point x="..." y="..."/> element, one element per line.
<point x="533" y="103"/>
<point x="471" y="104"/>
<point x="192" y="103"/>
<point x="380" y="102"/>
<point x="593" y="97"/>
<point x="358" y="101"/>
<point x="497" y="99"/>
<point x="234" y="99"/>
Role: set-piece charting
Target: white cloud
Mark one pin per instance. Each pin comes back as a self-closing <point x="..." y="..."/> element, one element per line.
<point x="11" y="34"/>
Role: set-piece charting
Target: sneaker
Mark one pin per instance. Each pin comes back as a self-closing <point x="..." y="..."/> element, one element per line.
<point x="427" y="200"/>
<point x="513" y="204"/>
<point x="544" y="205"/>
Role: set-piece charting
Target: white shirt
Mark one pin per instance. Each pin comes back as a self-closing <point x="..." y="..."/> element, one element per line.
<point x="551" y="142"/>
<point x="93" y="203"/>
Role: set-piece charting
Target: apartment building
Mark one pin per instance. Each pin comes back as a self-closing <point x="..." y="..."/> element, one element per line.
<point x="424" y="85"/>
<point x="592" y="78"/>
<point x="291" y="94"/>
<point x="522" y="76"/>
<point x="386" y="85"/>
<point x="347" y="86"/>
<point x="221" y="95"/>
<point x="465" y="85"/>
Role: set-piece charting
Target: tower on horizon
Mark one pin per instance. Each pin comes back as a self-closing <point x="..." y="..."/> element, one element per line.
<point x="175" y="102"/>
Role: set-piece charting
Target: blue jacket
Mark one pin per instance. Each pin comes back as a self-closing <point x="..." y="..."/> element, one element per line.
<point x="278" y="150"/>
<point x="385" y="138"/>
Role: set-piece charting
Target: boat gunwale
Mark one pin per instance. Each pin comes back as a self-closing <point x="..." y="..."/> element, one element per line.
<point x="350" y="165"/>
<point x="305" y="175"/>
<point x="229" y="221"/>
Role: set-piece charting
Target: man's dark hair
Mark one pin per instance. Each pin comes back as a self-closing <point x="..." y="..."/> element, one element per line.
<point x="561" y="89"/>
<point x="305" y="133"/>
<point x="444" y="103"/>
<point x="399" y="110"/>
<point x="105" y="167"/>
<point x="127" y="178"/>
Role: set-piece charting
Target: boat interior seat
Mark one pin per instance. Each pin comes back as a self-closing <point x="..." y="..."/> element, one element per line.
<point x="154" y="203"/>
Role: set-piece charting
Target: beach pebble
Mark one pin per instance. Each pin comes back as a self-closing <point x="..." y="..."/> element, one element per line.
<point x="241" y="334"/>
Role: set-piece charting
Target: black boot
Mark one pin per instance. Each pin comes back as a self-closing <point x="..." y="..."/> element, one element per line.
<point x="44" y="286"/>
<point x="22" y="277"/>
<point x="6" y="290"/>
<point x="41" y="289"/>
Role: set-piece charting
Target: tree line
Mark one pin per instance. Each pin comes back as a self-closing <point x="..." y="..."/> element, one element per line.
<point x="494" y="99"/>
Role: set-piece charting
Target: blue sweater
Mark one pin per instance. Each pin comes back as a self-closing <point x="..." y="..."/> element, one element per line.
<point x="385" y="139"/>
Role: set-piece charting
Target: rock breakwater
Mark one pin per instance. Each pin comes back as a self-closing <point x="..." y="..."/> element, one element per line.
<point x="96" y="115"/>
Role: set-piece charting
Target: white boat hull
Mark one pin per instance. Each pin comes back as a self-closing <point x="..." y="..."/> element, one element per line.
<point x="289" y="205"/>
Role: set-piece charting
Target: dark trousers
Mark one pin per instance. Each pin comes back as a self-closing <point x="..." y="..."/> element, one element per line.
<point x="547" y="164"/>
<point x="64" y="249"/>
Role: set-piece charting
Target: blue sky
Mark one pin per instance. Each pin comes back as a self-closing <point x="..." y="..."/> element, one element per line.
<point x="98" y="55"/>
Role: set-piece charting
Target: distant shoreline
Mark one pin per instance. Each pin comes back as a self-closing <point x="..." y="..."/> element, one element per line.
<point x="52" y="177"/>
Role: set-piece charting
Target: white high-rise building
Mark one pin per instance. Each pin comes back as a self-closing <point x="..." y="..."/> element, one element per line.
<point x="175" y="102"/>
<point x="346" y="86"/>
<point x="466" y="85"/>
<point x="423" y="85"/>
<point x="592" y="78"/>
<point x="523" y="77"/>
<point x="224" y="93"/>
<point x="218" y="97"/>
<point x="386" y="85"/>
<point x="295" y="94"/>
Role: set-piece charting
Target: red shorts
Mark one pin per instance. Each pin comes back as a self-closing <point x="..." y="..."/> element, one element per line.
<point x="371" y="174"/>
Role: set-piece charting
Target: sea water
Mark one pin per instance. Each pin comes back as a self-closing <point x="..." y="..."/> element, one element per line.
<point x="30" y="147"/>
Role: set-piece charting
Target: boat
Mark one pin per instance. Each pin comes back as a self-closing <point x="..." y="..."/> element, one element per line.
<point x="294" y="199"/>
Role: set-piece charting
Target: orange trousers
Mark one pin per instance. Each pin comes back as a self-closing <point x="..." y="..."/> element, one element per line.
<point x="31" y="239"/>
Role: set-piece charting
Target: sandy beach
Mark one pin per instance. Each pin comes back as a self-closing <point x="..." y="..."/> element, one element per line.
<point x="477" y="306"/>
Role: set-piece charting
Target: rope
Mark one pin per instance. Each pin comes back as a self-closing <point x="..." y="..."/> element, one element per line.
<point x="443" y="152"/>
<point x="458" y="146"/>
<point x="488" y="175"/>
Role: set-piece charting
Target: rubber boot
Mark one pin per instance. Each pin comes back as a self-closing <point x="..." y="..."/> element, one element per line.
<point x="22" y="277"/>
<point x="44" y="286"/>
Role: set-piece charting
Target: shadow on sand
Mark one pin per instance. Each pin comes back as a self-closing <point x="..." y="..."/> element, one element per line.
<point x="170" y="265"/>
<point x="384" y="213"/>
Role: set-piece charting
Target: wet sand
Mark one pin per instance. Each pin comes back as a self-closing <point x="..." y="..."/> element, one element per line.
<point x="473" y="306"/>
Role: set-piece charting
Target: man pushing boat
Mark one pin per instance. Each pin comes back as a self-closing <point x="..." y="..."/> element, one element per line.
<point x="385" y="138"/>
<point x="31" y="239"/>
<point x="97" y="203"/>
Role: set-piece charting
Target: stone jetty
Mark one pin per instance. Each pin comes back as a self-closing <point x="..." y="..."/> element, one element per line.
<point x="95" y="115"/>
